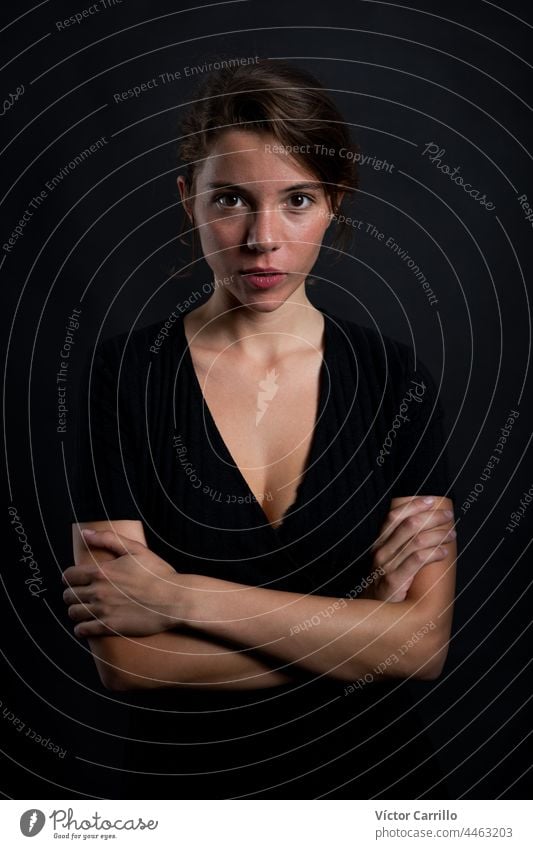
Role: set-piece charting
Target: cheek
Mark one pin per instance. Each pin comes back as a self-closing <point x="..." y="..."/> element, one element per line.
<point x="310" y="236"/>
<point x="222" y="234"/>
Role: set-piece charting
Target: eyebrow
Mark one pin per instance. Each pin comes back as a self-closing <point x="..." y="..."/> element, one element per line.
<point x="297" y="186"/>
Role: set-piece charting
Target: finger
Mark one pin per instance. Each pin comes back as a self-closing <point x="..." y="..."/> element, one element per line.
<point x="413" y="564"/>
<point x="82" y="612"/>
<point x="76" y="595"/>
<point x="410" y="526"/>
<point x="437" y="536"/>
<point x="95" y="628"/>
<point x="423" y="542"/>
<point x="403" y="511"/>
<point x="77" y="575"/>
<point x="114" y="542"/>
<point x="415" y="526"/>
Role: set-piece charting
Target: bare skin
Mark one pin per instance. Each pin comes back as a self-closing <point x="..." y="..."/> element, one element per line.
<point x="270" y="453"/>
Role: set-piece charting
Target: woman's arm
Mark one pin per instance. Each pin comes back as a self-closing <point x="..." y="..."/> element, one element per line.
<point x="177" y="659"/>
<point x="348" y="639"/>
<point x="170" y="658"/>
<point x="343" y="639"/>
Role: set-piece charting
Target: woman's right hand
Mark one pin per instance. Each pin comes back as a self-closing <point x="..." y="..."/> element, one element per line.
<point x="413" y="534"/>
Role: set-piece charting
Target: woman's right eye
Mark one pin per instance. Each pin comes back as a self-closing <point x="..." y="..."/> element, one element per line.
<point x="226" y="200"/>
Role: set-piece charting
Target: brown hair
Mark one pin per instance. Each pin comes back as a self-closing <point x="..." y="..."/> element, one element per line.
<point x="290" y="103"/>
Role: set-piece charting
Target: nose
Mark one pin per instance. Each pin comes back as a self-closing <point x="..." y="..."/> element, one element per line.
<point x="264" y="230"/>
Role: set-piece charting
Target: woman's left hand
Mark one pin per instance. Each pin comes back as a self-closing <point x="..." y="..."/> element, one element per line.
<point x="134" y="593"/>
<point x="412" y="536"/>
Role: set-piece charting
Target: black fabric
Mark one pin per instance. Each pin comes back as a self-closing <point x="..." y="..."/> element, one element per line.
<point x="150" y="450"/>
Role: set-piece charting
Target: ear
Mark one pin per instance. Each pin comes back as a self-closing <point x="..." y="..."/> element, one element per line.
<point x="335" y="206"/>
<point x="184" y="194"/>
<point x="338" y="200"/>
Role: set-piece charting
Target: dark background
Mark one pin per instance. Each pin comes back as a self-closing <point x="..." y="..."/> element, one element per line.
<point x="106" y="241"/>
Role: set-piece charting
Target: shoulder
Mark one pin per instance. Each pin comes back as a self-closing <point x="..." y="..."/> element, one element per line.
<point x="133" y="351"/>
<point x="386" y="367"/>
<point x="375" y="350"/>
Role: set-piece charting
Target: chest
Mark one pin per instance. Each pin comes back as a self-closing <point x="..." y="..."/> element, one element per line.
<point x="265" y="418"/>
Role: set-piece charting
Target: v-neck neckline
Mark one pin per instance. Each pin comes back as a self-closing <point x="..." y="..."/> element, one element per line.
<point x="223" y="448"/>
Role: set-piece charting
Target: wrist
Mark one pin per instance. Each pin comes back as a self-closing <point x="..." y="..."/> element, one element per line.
<point x="188" y="591"/>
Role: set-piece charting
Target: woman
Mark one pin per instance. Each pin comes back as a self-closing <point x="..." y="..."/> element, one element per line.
<point x="271" y="533"/>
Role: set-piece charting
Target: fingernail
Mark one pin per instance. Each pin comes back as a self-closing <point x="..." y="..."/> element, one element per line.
<point x="448" y="513"/>
<point x="429" y="500"/>
<point x="88" y="531"/>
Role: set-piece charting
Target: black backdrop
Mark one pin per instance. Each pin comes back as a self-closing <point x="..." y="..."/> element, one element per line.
<point x="103" y="239"/>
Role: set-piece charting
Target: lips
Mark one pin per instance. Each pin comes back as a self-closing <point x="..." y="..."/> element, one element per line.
<point x="263" y="278"/>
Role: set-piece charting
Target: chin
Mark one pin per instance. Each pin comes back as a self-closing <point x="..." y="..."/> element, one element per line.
<point x="267" y="300"/>
<point x="264" y="303"/>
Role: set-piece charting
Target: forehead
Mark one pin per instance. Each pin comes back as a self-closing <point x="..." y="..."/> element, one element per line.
<point x="242" y="156"/>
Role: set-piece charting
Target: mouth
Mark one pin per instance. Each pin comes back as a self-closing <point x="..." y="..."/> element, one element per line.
<point x="263" y="278"/>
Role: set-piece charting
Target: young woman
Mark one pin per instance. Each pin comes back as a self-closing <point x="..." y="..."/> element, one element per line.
<point x="262" y="521"/>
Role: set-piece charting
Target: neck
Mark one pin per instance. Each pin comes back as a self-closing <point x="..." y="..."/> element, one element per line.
<point x="258" y="333"/>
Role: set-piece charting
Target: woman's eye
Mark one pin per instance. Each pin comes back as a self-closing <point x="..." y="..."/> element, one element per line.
<point x="227" y="200"/>
<point x="301" y="201"/>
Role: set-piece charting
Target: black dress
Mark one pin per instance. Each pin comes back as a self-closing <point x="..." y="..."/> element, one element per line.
<point x="155" y="454"/>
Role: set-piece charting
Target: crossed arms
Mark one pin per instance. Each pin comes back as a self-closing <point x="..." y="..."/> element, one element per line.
<point x="233" y="636"/>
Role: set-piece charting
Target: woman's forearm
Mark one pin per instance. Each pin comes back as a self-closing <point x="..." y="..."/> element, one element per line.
<point x="235" y="636"/>
<point x="177" y="659"/>
<point x="339" y="638"/>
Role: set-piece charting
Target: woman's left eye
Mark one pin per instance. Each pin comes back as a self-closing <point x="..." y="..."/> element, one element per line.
<point x="301" y="201"/>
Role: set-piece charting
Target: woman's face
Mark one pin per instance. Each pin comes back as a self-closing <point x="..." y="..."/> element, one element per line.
<point x="255" y="207"/>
